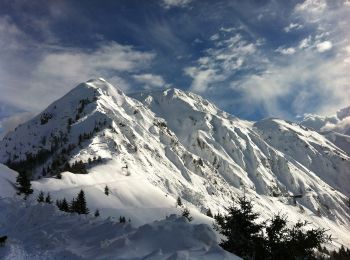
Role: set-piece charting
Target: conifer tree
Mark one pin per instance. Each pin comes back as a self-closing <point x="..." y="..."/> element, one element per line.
<point x="64" y="205"/>
<point x="48" y="198"/>
<point x="40" y="197"/>
<point x="243" y="234"/>
<point x="186" y="213"/>
<point x="179" y="202"/>
<point x="209" y="214"/>
<point x="81" y="207"/>
<point x="73" y="206"/>
<point x="106" y="190"/>
<point x="271" y="239"/>
<point x="122" y="219"/>
<point x="23" y="184"/>
<point x="97" y="213"/>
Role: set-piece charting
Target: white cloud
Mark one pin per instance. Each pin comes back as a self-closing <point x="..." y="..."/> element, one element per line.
<point x="324" y="46"/>
<point x="109" y="56"/>
<point x="315" y="6"/>
<point x="175" y="3"/>
<point x="292" y="26"/>
<point x="215" y="37"/>
<point x="150" y="80"/>
<point x="120" y="83"/>
<point x="227" y="29"/>
<point x="10" y="123"/>
<point x="229" y="55"/>
<point x="305" y="43"/>
<point x="305" y="77"/>
<point x="29" y="70"/>
<point x="286" y="51"/>
<point x="202" y="78"/>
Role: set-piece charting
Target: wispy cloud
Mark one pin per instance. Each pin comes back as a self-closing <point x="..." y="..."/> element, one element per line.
<point x="310" y="75"/>
<point x="10" y="123"/>
<point x="286" y="51"/>
<point x="292" y="27"/>
<point x="175" y="3"/>
<point x="151" y="80"/>
<point x="50" y="70"/>
<point x="228" y="55"/>
<point x="324" y="46"/>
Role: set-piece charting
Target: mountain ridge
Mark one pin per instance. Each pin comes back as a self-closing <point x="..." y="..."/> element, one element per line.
<point x="177" y="143"/>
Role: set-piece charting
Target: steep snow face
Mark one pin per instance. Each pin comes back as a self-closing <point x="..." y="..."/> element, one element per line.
<point x="160" y="145"/>
<point x="309" y="149"/>
<point x="40" y="231"/>
<point x="255" y="157"/>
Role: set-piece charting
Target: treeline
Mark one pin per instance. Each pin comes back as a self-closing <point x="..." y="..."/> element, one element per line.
<point x="77" y="205"/>
<point x="58" y="153"/>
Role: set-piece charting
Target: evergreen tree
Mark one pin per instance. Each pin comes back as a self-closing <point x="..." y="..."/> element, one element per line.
<point x="341" y="254"/>
<point x="73" y="206"/>
<point x="106" y="190"/>
<point x="23" y="184"/>
<point x="40" y="197"/>
<point x="64" y="205"/>
<point x="277" y="234"/>
<point x="270" y="240"/>
<point x="186" y="213"/>
<point x="302" y="243"/>
<point x="179" y="202"/>
<point x="209" y="214"/>
<point x="81" y="207"/>
<point x="97" y="213"/>
<point x="48" y="198"/>
<point x="243" y="235"/>
<point x="122" y="219"/>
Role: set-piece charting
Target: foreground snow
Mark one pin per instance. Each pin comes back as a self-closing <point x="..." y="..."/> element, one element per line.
<point x="42" y="232"/>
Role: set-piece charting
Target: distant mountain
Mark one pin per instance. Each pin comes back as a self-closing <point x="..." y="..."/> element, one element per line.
<point x="152" y="147"/>
<point x="336" y="128"/>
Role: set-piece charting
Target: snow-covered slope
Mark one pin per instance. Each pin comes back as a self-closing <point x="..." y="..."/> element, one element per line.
<point x="7" y="182"/>
<point x="157" y="146"/>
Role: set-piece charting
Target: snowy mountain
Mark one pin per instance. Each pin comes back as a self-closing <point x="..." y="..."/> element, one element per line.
<point x="149" y="148"/>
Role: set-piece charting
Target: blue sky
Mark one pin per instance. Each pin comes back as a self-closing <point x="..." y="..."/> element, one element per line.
<point x="253" y="59"/>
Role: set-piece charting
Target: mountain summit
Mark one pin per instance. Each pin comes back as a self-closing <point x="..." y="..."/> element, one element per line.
<point x="153" y="147"/>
